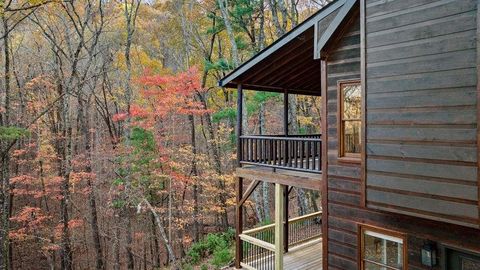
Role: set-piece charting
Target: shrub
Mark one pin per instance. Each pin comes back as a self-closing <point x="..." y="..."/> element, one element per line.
<point x="221" y="257"/>
<point x="215" y="244"/>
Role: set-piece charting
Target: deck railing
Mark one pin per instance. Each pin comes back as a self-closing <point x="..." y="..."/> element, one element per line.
<point x="295" y="152"/>
<point x="257" y="254"/>
<point x="259" y="243"/>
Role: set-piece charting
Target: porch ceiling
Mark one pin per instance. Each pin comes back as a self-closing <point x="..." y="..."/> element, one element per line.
<point x="291" y="63"/>
<point x="291" y="67"/>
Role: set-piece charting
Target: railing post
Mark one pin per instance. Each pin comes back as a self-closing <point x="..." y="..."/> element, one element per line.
<point x="279" y="234"/>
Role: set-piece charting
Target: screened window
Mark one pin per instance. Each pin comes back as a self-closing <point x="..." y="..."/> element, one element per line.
<point x="382" y="251"/>
<point x="350" y="119"/>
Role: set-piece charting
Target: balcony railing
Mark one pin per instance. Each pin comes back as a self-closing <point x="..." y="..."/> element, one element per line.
<point x="259" y="243"/>
<point x="297" y="152"/>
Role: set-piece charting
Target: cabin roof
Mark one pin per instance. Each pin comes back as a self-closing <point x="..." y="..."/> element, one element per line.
<point x="291" y="62"/>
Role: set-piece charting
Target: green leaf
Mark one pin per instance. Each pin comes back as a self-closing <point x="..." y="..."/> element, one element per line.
<point x="224" y="114"/>
<point x="13" y="133"/>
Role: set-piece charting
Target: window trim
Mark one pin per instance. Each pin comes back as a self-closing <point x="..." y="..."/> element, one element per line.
<point x="342" y="156"/>
<point x="362" y="228"/>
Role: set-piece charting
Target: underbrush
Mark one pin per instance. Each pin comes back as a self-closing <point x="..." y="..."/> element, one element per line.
<point x="217" y="247"/>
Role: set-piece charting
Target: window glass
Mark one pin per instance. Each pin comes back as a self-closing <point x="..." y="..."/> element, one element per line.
<point x="352" y="100"/>
<point x="382" y="251"/>
<point x="350" y="118"/>
<point x="351" y="137"/>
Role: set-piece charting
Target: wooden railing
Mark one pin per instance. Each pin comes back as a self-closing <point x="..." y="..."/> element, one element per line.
<point x="298" y="152"/>
<point x="257" y="254"/>
<point x="305" y="228"/>
<point x="259" y="243"/>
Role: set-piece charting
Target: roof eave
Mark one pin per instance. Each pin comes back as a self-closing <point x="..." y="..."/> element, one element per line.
<point x="295" y="32"/>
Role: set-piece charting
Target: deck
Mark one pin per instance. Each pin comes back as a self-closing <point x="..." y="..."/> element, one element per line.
<point x="307" y="256"/>
<point x="260" y="251"/>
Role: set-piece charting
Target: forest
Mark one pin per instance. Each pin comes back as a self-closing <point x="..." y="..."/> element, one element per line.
<point x="117" y="146"/>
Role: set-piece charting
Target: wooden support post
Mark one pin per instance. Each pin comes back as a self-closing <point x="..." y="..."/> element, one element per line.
<point x="285" y="220"/>
<point x="285" y="126"/>
<point x="285" y="194"/>
<point x="279" y="217"/>
<point x="239" y="123"/>
<point x="239" y="186"/>
<point x="285" y="112"/>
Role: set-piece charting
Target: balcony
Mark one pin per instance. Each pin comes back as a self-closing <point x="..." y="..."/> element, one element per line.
<point x="296" y="152"/>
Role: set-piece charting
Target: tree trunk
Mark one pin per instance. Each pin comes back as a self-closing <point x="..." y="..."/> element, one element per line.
<point x="84" y="122"/>
<point x="5" y="192"/>
<point x="64" y="151"/>
<point x="116" y="244"/>
<point x="292" y="115"/>
<point x="156" y="247"/>
<point x="302" y="202"/>
<point x="284" y="11"/>
<point x="258" y="205"/>
<point x="261" y="27"/>
<point x="276" y="22"/>
<point x="161" y="229"/>
<point x="129" y="245"/>
<point x="265" y="185"/>
<point x="223" y="4"/>
<point x="194" y="173"/>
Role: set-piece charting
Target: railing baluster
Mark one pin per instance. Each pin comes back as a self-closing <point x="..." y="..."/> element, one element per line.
<point x="308" y="155"/>
<point x="265" y="146"/>
<point x="250" y="149"/>
<point x="320" y="156"/>
<point x="301" y="153"/>
<point x="256" y="150"/>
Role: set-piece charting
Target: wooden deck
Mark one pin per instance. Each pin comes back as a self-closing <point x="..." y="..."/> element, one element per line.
<point x="281" y="176"/>
<point x="307" y="256"/>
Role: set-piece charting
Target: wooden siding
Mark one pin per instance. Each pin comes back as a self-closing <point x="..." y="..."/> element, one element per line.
<point x="394" y="142"/>
<point x="344" y="184"/>
<point x="421" y="88"/>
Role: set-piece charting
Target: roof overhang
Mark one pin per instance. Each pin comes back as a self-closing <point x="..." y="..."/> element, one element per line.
<point x="291" y="62"/>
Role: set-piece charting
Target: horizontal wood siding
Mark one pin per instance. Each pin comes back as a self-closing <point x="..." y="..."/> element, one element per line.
<point x="437" y="159"/>
<point x="344" y="187"/>
<point x="421" y="79"/>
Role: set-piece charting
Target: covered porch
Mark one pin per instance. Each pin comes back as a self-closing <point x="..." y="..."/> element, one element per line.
<point x="291" y="66"/>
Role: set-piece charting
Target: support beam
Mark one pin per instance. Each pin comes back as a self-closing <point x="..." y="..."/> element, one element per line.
<point x="279" y="218"/>
<point x="253" y="185"/>
<point x="239" y="186"/>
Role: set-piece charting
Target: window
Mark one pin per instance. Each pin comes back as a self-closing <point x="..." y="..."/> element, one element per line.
<point x="382" y="250"/>
<point x="350" y="119"/>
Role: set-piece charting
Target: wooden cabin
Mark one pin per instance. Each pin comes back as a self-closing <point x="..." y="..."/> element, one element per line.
<point x="397" y="161"/>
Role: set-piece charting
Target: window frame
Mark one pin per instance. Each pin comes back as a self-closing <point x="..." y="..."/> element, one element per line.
<point x="342" y="156"/>
<point x="362" y="228"/>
